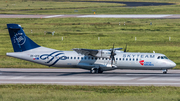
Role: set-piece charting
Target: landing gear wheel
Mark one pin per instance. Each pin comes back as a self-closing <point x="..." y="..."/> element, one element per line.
<point x="100" y="71"/>
<point x="165" y="71"/>
<point x="94" y="70"/>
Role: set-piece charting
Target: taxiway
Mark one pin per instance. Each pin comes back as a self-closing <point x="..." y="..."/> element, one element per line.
<point x="140" y="16"/>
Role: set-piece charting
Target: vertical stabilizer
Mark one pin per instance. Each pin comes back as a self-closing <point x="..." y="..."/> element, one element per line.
<point x="19" y="40"/>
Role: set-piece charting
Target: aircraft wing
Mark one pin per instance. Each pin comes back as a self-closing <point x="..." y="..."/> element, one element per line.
<point x="91" y="52"/>
<point x="96" y="53"/>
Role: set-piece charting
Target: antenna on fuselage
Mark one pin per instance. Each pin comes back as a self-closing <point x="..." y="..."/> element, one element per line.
<point x="153" y="51"/>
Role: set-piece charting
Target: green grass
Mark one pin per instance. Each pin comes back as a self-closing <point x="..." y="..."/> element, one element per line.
<point x="87" y="93"/>
<point x="84" y="33"/>
<point x="67" y="7"/>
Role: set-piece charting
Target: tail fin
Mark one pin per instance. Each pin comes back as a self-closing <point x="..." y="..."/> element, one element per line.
<point x="19" y="40"/>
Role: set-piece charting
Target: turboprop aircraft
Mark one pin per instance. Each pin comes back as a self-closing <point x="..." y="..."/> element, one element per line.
<point x="96" y="61"/>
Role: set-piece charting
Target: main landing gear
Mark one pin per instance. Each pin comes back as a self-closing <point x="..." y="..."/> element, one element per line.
<point x="165" y="71"/>
<point x="96" y="70"/>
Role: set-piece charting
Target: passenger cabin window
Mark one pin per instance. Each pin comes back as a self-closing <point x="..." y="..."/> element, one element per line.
<point x="74" y="57"/>
<point x="119" y="58"/>
<point x="71" y="57"/>
<point x="78" y="57"/>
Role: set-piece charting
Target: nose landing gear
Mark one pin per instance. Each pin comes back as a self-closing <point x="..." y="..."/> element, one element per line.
<point x="165" y="71"/>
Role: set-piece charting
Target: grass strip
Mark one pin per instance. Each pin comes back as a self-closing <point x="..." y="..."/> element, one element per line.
<point x="58" y="92"/>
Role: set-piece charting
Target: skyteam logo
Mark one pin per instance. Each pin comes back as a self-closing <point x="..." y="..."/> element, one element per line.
<point x="19" y="38"/>
<point x="54" y="57"/>
<point x="145" y="63"/>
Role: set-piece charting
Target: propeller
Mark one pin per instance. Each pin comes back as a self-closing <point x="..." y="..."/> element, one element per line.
<point x="112" y="55"/>
<point x="125" y="49"/>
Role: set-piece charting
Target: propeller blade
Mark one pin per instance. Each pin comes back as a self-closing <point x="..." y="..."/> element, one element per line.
<point x="125" y="49"/>
<point x="112" y="55"/>
<point x="113" y="59"/>
<point x="111" y="62"/>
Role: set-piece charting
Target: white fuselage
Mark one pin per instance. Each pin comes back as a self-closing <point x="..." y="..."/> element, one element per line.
<point x="123" y="60"/>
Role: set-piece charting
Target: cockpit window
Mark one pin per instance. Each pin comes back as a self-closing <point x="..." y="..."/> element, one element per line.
<point x="162" y="57"/>
<point x="158" y="57"/>
<point x="165" y="57"/>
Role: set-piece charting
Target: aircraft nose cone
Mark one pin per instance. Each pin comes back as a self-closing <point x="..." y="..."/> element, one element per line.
<point x="173" y="64"/>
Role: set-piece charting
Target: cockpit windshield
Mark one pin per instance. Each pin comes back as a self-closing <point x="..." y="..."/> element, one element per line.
<point x="162" y="57"/>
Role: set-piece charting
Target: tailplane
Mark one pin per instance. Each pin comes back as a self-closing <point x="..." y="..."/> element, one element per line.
<point x="19" y="40"/>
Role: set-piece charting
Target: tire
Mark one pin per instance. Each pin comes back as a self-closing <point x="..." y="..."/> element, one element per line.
<point x="100" y="71"/>
<point x="164" y="72"/>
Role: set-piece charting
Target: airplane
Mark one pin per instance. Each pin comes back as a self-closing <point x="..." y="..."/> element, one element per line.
<point x="94" y="60"/>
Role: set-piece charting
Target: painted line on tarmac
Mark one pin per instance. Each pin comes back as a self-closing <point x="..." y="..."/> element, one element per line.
<point x="66" y="78"/>
<point x="160" y="79"/>
<point x="148" y="74"/>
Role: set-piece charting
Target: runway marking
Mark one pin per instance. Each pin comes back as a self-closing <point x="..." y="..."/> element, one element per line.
<point x="66" y="78"/>
<point x="147" y="74"/>
<point x="53" y="16"/>
<point x="160" y="79"/>
<point x="19" y="77"/>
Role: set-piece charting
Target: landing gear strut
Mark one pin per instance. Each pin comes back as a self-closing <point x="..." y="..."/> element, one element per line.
<point x="165" y="71"/>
